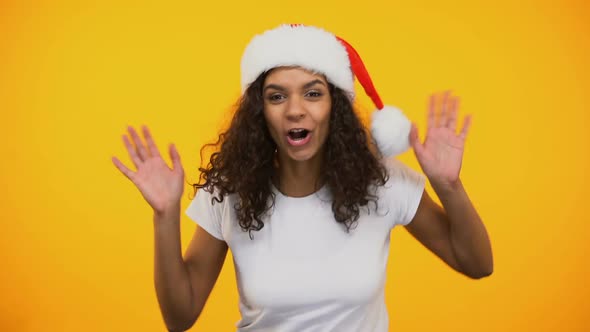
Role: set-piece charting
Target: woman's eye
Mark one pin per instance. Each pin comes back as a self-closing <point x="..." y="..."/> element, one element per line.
<point x="275" y="97"/>
<point x="314" y="94"/>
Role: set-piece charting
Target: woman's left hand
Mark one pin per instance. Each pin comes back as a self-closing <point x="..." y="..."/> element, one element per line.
<point x="441" y="154"/>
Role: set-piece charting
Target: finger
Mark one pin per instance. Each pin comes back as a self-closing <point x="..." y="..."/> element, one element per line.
<point x="126" y="171"/>
<point x="444" y="106"/>
<point x="466" y="125"/>
<point x="132" y="153"/>
<point x="430" y="122"/>
<point x="152" y="148"/>
<point x="175" y="157"/>
<point x="141" y="150"/>
<point x="452" y="121"/>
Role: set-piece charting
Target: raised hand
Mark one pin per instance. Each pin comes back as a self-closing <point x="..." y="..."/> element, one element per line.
<point x="441" y="154"/>
<point x="161" y="186"/>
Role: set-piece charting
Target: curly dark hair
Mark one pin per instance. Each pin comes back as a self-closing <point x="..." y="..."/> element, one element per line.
<point x="244" y="161"/>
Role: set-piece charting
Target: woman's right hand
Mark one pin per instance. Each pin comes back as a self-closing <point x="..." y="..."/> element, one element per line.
<point x="160" y="186"/>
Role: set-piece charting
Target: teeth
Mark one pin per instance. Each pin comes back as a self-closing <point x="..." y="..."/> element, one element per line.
<point x="295" y="131"/>
<point x="298" y="133"/>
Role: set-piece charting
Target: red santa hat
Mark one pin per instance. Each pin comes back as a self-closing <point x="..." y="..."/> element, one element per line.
<point x="321" y="51"/>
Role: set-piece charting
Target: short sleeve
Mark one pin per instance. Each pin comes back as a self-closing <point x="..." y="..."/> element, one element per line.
<point x="406" y="187"/>
<point x="207" y="215"/>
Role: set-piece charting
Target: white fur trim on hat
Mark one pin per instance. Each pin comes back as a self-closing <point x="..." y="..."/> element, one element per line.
<point x="305" y="46"/>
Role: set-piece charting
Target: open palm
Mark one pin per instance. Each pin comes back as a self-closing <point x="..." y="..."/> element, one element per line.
<point x="441" y="154"/>
<point x="161" y="186"/>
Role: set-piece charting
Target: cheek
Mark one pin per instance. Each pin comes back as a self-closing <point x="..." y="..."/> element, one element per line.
<point x="272" y="123"/>
<point x="324" y="118"/>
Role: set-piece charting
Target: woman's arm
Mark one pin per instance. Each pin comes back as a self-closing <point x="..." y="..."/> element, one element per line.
<point x="183" y="285"/>
<point x="454" y="233"/>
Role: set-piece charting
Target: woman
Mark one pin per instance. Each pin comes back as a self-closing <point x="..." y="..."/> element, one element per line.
<point x="301" y="197"/>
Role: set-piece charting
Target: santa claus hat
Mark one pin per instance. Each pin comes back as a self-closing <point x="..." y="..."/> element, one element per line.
<point x="321" y="51"/>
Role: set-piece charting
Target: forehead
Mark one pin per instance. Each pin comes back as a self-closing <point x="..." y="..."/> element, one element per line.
<point x="292" y="76"/>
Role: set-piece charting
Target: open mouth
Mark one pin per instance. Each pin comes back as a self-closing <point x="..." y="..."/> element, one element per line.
<point x="298" y="136"/>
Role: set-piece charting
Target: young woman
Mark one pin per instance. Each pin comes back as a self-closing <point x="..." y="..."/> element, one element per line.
<point x="305" y="198"/>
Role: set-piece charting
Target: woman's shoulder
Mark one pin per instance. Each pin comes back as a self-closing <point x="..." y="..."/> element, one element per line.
<point x="403" y="190"/>
<point x="401" y="176"/>
<point x="213" y="195"/>
<point x="396" y="169"/>
<point x="209" y="209"/>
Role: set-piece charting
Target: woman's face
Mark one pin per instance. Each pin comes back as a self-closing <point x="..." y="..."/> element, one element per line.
<point x="297" y="106"/>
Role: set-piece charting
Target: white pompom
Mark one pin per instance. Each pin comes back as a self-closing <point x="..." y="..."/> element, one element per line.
<point x="391" y="130"/>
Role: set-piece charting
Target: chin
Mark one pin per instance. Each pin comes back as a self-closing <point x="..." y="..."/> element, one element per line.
<point x="303" y="155"/>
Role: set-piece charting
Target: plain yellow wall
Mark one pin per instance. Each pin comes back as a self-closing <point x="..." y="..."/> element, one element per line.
<point x="76" y="242"/>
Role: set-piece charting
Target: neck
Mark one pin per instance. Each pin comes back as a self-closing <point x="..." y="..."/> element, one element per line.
<point x="298" y="178"/>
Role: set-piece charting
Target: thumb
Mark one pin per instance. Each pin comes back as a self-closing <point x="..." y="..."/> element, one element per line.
<point x="415" y="140"/>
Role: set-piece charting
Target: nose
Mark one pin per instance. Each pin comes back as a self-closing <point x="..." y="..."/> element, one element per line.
<point x="295" y="109"/>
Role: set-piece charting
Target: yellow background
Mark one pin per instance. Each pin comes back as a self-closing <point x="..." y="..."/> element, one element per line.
<point x="76" y="243"/>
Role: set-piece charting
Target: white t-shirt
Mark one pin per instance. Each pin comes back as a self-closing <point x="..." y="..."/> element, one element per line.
<point x="302" y="271"/>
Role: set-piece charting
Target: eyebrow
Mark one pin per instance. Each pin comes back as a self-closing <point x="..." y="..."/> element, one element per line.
<point x="305" y="86"/>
